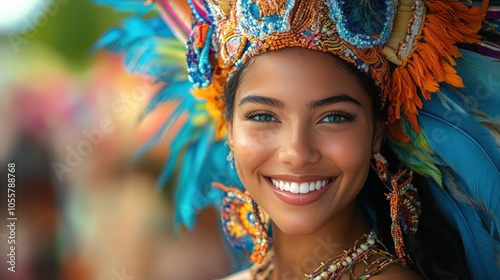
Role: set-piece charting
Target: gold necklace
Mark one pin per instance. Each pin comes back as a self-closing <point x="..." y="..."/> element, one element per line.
<point x="335" y="267"/>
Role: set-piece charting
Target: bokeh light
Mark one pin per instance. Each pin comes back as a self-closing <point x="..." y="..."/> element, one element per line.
<point x="14" y="14"/>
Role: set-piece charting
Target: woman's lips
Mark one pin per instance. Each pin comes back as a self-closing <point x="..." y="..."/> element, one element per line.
<point x="300" y="193"/>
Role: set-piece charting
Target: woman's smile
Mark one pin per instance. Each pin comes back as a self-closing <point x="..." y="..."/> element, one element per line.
<point x="299" y="186"/>
<point x="299" y="190"/>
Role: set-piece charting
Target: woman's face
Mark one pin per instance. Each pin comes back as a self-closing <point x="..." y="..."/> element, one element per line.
<point x="302" y="135"/>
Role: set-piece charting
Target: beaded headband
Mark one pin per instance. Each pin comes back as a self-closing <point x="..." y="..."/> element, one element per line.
<point x="417" y="36"/>
<point x="243" y="29"/>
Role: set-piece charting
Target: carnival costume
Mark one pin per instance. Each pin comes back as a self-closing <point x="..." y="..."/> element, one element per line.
<point x="442" y="102"/>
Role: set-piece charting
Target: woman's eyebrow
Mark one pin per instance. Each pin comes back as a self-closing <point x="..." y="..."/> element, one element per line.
<point x="333" y="100"/>
<point x="262" y="100"/>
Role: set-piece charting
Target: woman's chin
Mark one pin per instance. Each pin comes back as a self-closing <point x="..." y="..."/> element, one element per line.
<point x="296" y="227"/>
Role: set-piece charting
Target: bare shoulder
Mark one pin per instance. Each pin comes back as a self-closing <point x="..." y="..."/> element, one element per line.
<point x="396" y="271"/>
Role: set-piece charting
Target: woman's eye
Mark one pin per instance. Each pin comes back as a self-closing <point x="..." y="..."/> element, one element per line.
<point x="337" y="118"/>
<point x="263" y="118"/>
<point x="332" y="119"/>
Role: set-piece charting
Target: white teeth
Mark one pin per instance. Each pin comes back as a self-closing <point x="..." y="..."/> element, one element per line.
<point x="304" y="187"/>
<point x="318" y="185"/>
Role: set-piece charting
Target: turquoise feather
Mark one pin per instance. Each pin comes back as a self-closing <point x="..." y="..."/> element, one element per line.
<point x="459" y="138"/>
<point x="149" y="47"/>
<point x="139" y="41"/>
<point x="481" y="250"/>
<point x="481" y="76"/>
<point x="467" y="157"/>
<point x="135" y="6"/>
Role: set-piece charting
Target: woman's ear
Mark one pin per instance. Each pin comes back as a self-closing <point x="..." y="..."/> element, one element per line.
<point x="378" y="137"/>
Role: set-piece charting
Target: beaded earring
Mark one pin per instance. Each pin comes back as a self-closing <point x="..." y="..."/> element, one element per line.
<point x="243" y="223"/>
<point x="405" y="204"/>
<point x="230" y="158"/>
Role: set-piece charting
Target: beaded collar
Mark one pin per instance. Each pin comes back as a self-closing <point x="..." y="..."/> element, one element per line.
<point x="368" y="249"/>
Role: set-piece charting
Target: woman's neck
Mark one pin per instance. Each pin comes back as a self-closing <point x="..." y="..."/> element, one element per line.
<point x="296" y="255"/>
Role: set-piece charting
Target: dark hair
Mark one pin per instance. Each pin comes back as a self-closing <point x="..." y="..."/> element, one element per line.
<point x="436" y="248"/>
<point x="231" y="87"/>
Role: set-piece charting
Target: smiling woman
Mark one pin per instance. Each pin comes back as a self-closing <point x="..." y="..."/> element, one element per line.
<point x="325" y="117"/>
<point x="305" y="97"/>
<point x="307" y="184"/>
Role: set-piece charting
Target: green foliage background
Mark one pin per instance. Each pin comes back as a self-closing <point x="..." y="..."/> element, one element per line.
<point x="70" y="31"/>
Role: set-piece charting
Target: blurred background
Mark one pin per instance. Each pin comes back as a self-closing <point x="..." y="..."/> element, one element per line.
<point x="69" y="121"/>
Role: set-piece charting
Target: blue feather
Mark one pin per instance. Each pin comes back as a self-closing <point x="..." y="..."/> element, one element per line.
<point x="149" y="48"/>
<point x="460" y="137"/>
<point x="136" y="6"/>
<point x="472" y="164"/>
<point x="481" y="250"/>
<point x="463" y="138"/>
<point x="440" y="135"/>
<point x="139" y="40"/>
<point x="482" y="80"/>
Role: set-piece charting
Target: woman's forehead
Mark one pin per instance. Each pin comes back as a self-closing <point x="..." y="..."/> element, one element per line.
<point x="299" y="73"/>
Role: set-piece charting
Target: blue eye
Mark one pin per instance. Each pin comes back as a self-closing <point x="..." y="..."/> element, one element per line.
<point x="332" y="119"/>
<point x="263" y="118"/>
<point x="338" y="117"/>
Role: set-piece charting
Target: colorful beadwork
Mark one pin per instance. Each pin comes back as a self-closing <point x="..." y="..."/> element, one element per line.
<point x="243" y="224"/>
<point x="363" y="26"/>
<point x="248" y="28"/>
<point x="335" y="267"/>
<point x="368" y="34"/>
<point x="405" y="204"/>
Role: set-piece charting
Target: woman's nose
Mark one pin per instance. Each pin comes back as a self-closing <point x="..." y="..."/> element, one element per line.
<point x="299" y="147"/>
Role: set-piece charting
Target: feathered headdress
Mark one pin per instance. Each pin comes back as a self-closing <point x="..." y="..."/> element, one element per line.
<point x="442" y="101"/>
<point x="418" y="37"/>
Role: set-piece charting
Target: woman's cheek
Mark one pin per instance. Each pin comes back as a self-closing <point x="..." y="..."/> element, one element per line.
<point x="249" y="141"/>
<point x="350" y="151"/>
<point x="251" y="150"/>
